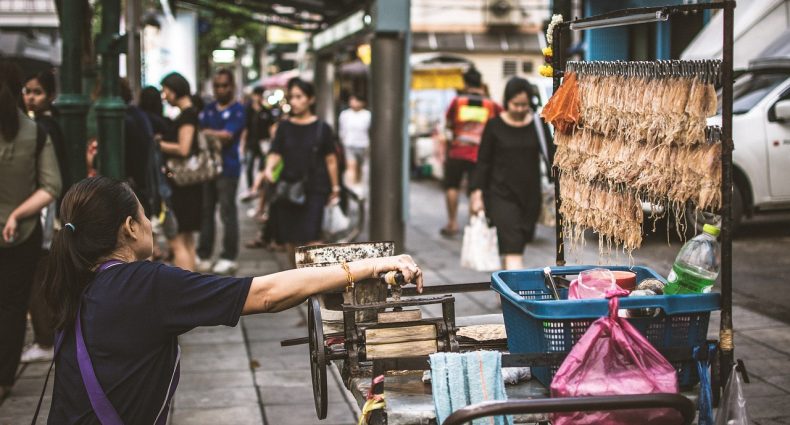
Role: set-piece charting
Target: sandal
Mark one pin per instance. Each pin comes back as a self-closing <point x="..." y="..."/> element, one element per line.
<point x="447" y="232"/>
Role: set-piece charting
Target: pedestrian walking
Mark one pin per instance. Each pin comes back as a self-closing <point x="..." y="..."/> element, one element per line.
<point x="180" y="143"/>
<point x="354" y="132"/>
<point x="30" y="181"/>
<point x="507" y="182"/>
<point x="255" y="137"/>
<point x="222" y="120"/>
<point x="119" y="316"/>
<point x="39" y="93"/>
<point x="309" y="179"/>
<point x="466" y="118"/>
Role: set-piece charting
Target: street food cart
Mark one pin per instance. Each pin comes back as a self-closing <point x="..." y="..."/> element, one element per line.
<point x="379" y="341"/>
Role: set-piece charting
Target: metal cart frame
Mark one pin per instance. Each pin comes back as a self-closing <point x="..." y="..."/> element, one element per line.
<point x="726" y="346"/>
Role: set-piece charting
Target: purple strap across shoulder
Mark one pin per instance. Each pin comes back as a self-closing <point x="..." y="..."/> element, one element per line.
<point x="102" y="406"/>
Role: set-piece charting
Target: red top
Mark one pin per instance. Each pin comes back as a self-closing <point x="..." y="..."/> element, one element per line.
<point x="467" y="116"/>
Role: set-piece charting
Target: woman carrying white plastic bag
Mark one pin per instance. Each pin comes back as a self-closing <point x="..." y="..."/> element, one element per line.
<point x="507" y="180"/>
<point x="480" y="249"/>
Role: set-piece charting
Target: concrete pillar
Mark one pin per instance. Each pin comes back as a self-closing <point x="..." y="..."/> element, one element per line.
<point x="388" y="144"/>
<point x="324" y="82"/>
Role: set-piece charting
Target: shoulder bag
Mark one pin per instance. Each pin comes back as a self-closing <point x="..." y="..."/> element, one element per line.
<point x="204" y="164"/>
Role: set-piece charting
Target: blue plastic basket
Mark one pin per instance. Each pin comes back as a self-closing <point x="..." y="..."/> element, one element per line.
<point x="536" y="323"/>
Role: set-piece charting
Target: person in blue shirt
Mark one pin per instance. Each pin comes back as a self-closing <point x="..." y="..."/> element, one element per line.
<point x="119" y="316"/>
<point x="223" y="120"/>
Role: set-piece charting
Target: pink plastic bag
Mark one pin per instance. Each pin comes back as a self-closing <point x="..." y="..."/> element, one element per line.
<point x="613" y="358"/>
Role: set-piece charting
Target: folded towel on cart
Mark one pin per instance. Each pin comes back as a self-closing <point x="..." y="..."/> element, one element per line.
<point x="511" y="375"/>
<point x="461" y="379"/>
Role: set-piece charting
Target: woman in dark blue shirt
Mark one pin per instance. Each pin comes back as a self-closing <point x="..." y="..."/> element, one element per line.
<point x="120" y="315"/>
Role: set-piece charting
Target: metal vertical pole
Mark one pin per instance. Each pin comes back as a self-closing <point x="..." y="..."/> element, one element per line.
<point x="133" y="63"/>
<point x="324" y="80"/>
<point x="388" y="75"/>
<point x="72" y="104"/>
<point x="110" y="108"/>
<point x="559" y="67"/>
<point x="726" y="331"/>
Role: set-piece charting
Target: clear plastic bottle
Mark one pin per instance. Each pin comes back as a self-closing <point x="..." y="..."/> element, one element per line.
<point x="697" y="264"/>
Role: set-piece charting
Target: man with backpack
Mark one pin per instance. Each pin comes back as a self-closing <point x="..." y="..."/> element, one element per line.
<point x="466" y="118"/>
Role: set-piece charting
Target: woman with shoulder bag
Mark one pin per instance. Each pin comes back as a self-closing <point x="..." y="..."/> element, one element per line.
<point x="182" y="142"/>
<point x="30" y="181"/>
<point x="309" y="179"/>
<point x="507" y="181"/>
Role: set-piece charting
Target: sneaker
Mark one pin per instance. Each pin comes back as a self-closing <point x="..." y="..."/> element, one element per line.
<point x="224" y="266"/>
<point x="35" y="353"/>
<point x="203" y="266"/>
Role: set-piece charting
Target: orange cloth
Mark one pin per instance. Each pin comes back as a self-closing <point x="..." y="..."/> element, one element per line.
<point x="564" y="107"/>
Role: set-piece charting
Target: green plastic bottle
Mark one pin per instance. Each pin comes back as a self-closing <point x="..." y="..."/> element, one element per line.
<point x="697" y="264"/>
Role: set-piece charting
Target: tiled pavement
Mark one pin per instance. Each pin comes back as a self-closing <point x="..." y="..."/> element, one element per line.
<point x="242" y="376"/>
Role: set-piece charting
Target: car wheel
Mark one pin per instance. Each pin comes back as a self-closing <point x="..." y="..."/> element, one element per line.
<point x="695" y="220"/>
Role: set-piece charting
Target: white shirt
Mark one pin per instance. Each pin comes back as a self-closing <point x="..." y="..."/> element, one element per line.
<point x="354" y="128"/>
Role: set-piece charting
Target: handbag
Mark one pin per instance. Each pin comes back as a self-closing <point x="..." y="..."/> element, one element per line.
<point x="293" y="192"/>
<point x="102" y="407"/>
<point x="204" y="164"/>
<point x="480" y="249"/>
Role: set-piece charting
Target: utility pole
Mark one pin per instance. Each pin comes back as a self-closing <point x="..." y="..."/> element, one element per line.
<point x="389" y="139"/>
<point x="72" y="103"/>
<point x="110" y="108"/>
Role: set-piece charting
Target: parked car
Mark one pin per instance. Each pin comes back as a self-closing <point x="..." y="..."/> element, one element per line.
<point x="761" y="134"/>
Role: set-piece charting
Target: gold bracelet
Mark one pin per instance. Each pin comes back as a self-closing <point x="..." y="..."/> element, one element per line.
<point x="349" y="276"/>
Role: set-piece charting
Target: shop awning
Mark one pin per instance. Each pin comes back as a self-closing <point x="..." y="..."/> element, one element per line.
<point x="476" y="42"/>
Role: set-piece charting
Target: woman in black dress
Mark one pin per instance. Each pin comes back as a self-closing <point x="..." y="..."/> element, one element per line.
<point x="305" y="147"/>
<point x="187" y="200"/>
<point x="506" y="182"/>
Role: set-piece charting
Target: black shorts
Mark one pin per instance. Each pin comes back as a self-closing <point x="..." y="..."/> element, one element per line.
<point x="454" y="170"/>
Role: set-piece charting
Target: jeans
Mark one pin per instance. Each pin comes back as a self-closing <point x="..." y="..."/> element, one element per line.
<point x="17" y="266"/>
<point x="222" y="191"/>
<point x="249" y="165"/>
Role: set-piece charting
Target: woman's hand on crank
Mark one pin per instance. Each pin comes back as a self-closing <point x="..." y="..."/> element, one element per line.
<point x="476" y="202"/>
<point x="401" y="263"/>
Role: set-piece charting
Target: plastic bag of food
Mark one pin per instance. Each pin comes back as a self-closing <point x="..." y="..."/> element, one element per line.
<point x="613" y="358"/>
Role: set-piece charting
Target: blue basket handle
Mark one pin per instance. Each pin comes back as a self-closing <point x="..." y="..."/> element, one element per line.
<point x="566" y="270"/>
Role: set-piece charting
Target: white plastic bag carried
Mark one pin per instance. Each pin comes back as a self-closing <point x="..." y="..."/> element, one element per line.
<point x="480" y="250"/>
<point x="335" y="220"/>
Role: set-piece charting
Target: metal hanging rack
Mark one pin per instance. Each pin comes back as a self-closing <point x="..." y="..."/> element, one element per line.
<point x="720" y="71"/>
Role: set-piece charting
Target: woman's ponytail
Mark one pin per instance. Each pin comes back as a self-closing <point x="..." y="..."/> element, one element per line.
<point x="93" y="211"/>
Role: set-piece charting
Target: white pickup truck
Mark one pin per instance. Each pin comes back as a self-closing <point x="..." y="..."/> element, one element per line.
<point x="761" y="133"/>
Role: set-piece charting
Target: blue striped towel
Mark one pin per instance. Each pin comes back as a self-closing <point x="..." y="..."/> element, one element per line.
<point x="461" y="379"/>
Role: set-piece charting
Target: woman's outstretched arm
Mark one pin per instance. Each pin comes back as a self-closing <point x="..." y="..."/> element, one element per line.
<point x="283" y="290"/>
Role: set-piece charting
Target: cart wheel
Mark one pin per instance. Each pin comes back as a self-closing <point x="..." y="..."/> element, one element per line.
<point x="315" y="331"/>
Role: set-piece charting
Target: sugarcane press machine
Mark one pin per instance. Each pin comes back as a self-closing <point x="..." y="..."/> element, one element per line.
<point x="379" y="320"/>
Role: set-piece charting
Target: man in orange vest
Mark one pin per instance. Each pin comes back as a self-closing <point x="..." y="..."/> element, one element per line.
<point x="466" y="118"/>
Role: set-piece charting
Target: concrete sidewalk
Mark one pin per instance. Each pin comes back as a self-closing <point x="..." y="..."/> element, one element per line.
<point x="241" y="375"/>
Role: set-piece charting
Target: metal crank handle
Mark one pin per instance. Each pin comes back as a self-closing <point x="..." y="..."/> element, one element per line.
<point x="393" y="278"/>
